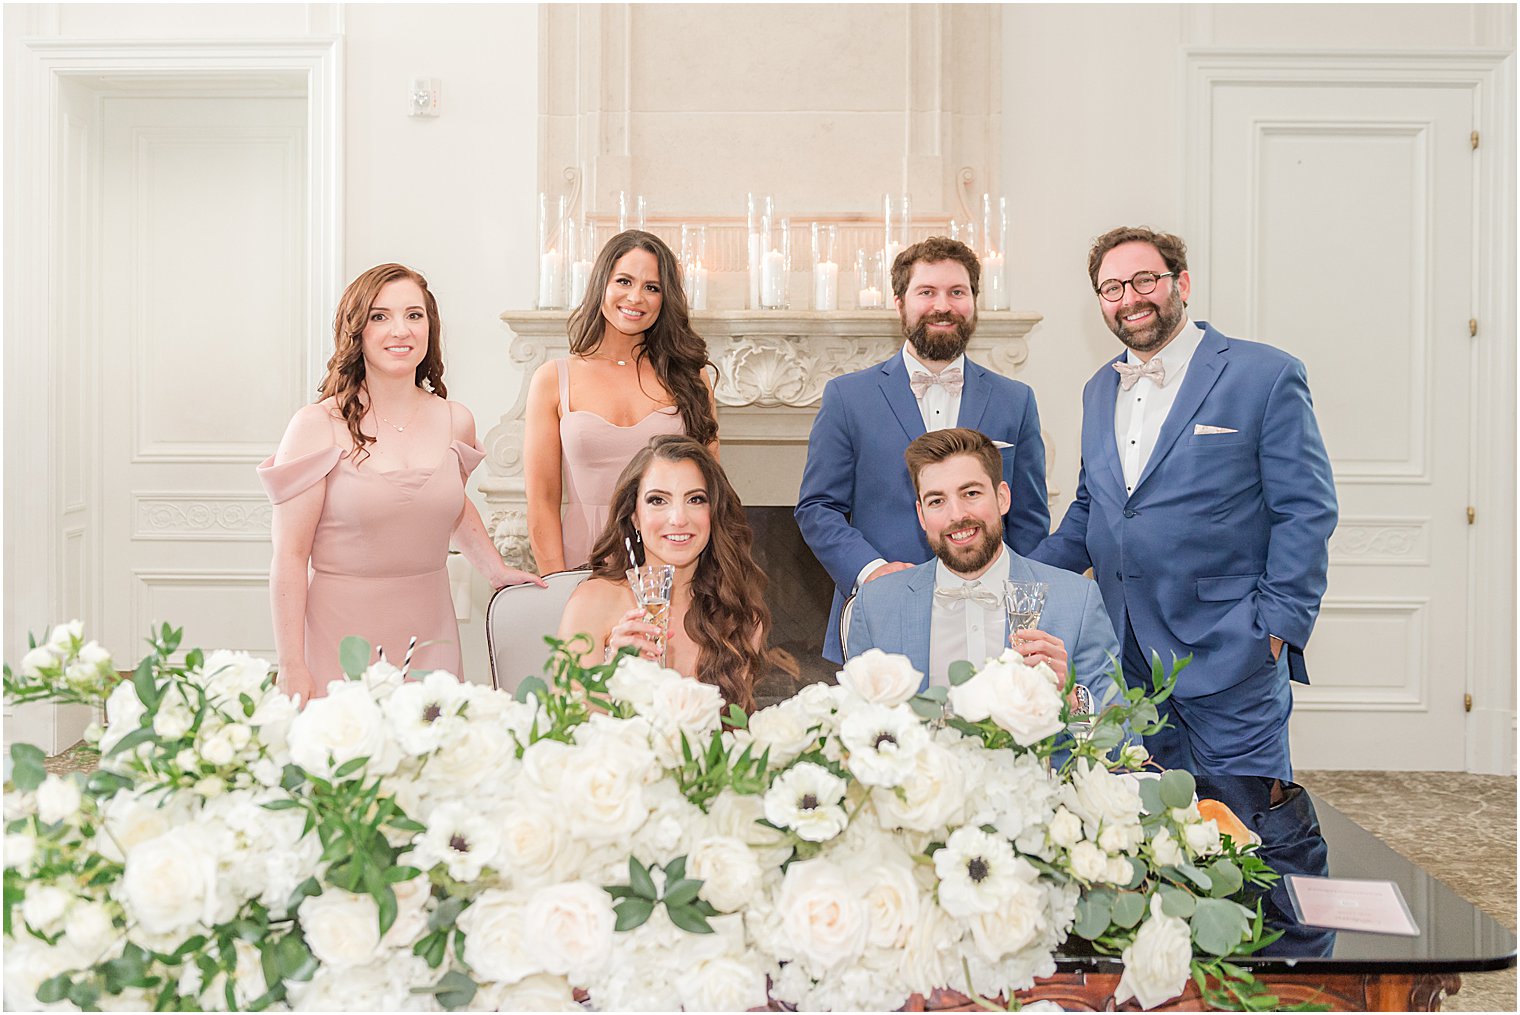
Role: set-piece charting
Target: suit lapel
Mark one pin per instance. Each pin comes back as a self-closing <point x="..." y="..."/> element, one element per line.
<point x="975" y="394"/>
<point x="1208" y="361"/>
<point x="917" y="616"/>
<point x="1105" y="390"/>
<point x="894" y="387"/>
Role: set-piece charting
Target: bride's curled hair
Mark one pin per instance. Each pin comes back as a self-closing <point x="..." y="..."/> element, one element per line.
<point x="727" y="619"/>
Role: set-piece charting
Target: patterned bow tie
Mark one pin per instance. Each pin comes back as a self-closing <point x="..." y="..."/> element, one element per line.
<point x="974" y="591"/>
<point x="1129" y="373"/>
<point x="922" y="380"/>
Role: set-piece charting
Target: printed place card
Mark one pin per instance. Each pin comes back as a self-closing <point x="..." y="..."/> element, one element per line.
<point x="1374" y="907"/>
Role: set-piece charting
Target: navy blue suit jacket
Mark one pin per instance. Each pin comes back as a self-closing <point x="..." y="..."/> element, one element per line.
<point x="1225" y="539"/>
<point x="857" y="502"/>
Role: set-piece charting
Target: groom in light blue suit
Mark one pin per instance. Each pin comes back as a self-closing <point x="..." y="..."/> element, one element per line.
<point x="1205" y="508"/>
<point x="951" y="607"/>
<point x="855" y="507"/>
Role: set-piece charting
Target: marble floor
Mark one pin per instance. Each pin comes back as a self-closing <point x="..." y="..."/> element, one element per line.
<point x="1458" y="827"/>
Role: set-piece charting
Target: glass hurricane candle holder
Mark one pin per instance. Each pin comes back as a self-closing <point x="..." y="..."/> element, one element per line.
<point x="758" y="209"/>
<point x="630" y="211"/>
<point x="868" y="272"/>
<point x="693" y="253"/>
<point x="995" y="239"/>
<point x="897" y="218"/>
<point x="825" y="267"/>
<point x="582" y="251"/>
<point x="776" y="265"/>
<point x="551" y="259"/>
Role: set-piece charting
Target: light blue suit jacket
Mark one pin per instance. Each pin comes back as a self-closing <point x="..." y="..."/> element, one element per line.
<point x="857" y="501"/>
<point x="1225" y="539"/>
<point x="892" y="613"/>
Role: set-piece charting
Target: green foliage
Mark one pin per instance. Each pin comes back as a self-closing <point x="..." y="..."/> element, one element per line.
<point x="353" y="655"/>
<point x="27" y="766"/>
<point x="636" y="901"/>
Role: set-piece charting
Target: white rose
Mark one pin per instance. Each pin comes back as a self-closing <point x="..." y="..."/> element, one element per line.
<point x="1202" y="837"/>
<point x="540" y="992"/>
<point x="728" y="870"/>
<point x="1065" y="828"/>
<point x="1157" y="962"/>
<point x="1166" y="849"/>
<point x="1121" y="838"/>
<point x="124" y="712"/>
<point x="818" y="700"/>
<point x="381" y="680"/>
<point x="1105" y="798"/>
<point x="89" y="928"/>
<point x="472" y="752"/>
<point x="35" y="661"/>
<point x="173" y="718"/>
<point x="1133" y="756"/>
<point x="19" y="851"/>
<point x="170" y="881"/>
<point x="725" y="983"/>
<point x="603" y="794"/>
<point x="892" y="897"/>
<point x="1088" y="862"/>
<point x="494" y="942"/>
<point x="411" y="913"/>
<point x="342" y="929"/>
<point x="1018" y="698"/>
<point x="689" y="706"/>
<point x="227" y="676"/>
<point x="823" y="916"/>
<point x="44" y="907"/>
<point x="332" y="730"/>
<point x="569" y="928"/>
<point x="58" y="799"/>
<point x="880" y="678"/>
<point x="63" y="636"/>
<point x="785" y="729"/>
<point x="635" y="680"/>
<point x="1012" y="926"/>
<point x="218" y="750"/>
<point x="932" y="795"/>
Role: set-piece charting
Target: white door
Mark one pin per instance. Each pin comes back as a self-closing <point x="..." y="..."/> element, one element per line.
<point x="201" y="348"/>
<point x="1340" y="228"/>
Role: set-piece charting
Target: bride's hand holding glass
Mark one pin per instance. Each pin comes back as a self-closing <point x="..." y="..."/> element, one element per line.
<point x="633" y="629"/>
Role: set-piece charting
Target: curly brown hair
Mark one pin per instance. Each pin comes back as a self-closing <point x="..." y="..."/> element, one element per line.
<point x="932" y="251"/>
<point x="1171" y="248"/>
<point x="345" y="369"/>
<point x="677" y="353"/>
<point x="727" y="588"/>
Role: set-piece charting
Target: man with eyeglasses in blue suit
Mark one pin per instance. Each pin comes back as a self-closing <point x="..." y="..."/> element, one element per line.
<point x="1205" y="508"/>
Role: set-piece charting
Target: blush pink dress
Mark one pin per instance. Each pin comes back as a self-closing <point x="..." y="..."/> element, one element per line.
<point x="593" y="453"/>
<point x="379" y="556"/>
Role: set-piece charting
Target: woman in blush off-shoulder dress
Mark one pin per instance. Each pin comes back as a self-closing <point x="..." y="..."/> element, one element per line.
<point x="368" y="488"/>
<point x="636" y="369"/>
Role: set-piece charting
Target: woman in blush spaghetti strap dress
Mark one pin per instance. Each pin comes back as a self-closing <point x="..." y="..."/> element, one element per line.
<point x="636" y="369"/>
<point x="368" y="488"/>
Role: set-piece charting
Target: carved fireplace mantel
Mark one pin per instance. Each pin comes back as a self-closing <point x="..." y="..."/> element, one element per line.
<point x="772" y="366"/>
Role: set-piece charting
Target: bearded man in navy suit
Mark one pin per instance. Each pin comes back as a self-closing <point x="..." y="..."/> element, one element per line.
<point x="1205" y="508"/>
<point x="856" y="505"/>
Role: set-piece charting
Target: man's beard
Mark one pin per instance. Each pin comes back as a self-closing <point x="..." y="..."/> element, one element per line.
<point x="973" y="556"/>
<point x="939" y="346"/>
<point x="1163" y="325"/>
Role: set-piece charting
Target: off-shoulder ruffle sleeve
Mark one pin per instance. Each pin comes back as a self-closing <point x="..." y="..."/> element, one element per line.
<point x="469" y="457"/>
<point x="284" y="481"/>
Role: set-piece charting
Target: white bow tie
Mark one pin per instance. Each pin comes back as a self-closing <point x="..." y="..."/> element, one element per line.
<point x="974" y="591"/>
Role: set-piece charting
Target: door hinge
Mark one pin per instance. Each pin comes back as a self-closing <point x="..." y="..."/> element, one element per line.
<point x="1472" y="514"/>
<point x="1467" y="703"/>
<point x="1475" y="140"/>
<point x="1472" y="327"/>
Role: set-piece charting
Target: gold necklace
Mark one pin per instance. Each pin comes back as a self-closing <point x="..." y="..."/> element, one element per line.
<point x="403" y="426"/>
<point x="610" y="359"/>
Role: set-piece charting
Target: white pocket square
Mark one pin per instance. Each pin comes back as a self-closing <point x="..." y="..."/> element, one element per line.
<point x="1201" y="428"/>
<point x="1001" y="444"/>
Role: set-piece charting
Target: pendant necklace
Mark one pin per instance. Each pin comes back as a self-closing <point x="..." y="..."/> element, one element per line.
<point x="403" y="426"/>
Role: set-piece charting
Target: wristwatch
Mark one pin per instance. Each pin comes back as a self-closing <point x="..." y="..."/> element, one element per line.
<point x="1084" y="705"/>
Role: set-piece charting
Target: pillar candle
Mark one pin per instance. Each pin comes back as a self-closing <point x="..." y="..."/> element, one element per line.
<point x="580" y="274"/>
<point x="870" y="297"/>
<point x="696" y="287"/>
<point x="773" y="279"/>
<point x="825" y="286"/>
<point x="551" y="280"/>
<point x="993" y="282"/>
<point x="754" y="270"/>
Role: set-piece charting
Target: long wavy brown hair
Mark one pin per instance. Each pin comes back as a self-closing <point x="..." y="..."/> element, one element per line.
<point x="727" y="588"/>
<point x="675" y="351"/>
<point x="344" y="382"/>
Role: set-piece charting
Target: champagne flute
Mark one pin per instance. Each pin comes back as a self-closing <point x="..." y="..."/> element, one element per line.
<point x="1024" y="602"/>
<point x="651" y="585"/>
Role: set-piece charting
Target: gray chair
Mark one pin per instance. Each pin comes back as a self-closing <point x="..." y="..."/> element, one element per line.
<point x="518" y="620"/>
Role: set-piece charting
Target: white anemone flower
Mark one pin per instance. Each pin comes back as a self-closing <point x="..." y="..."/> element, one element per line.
<point x="461" y="838"/>
<point x="884" y="743"/>
<point x="977" y="872"/>
<point x="418" y="711"/>
<point x="806" y="798"/>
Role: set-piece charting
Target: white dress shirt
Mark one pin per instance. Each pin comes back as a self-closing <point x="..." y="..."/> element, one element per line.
<point x="940" y="411"/>
<point x="964" y="628"/>
<point x="1140" y="411"/>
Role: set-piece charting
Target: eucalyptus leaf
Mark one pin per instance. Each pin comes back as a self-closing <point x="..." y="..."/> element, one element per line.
<point x="353" y="655"/>
<point x="1196" y="876"/>
<point x="1128" y="909"/>
<point x="1176" y="902"/>
<point x="1094" y="912"/>
<point x="960" y="672"/>
<point x="1219" y="925"/>
<point x="534" y="686"/>
<point x="1177" y="786"/>
<point x="1226" y="877"/>
<point x="1150" y="796"/>
<point x="926" y="708"/>
<point x="28" y="768"/>
<point x="455" y="990"/>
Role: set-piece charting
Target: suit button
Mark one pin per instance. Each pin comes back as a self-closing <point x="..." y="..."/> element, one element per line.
<point x="1118" y="576"/>
<point x="1129" y="513"/>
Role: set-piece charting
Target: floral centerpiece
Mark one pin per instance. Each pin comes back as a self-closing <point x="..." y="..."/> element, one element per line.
<point x="427" y="843"/>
